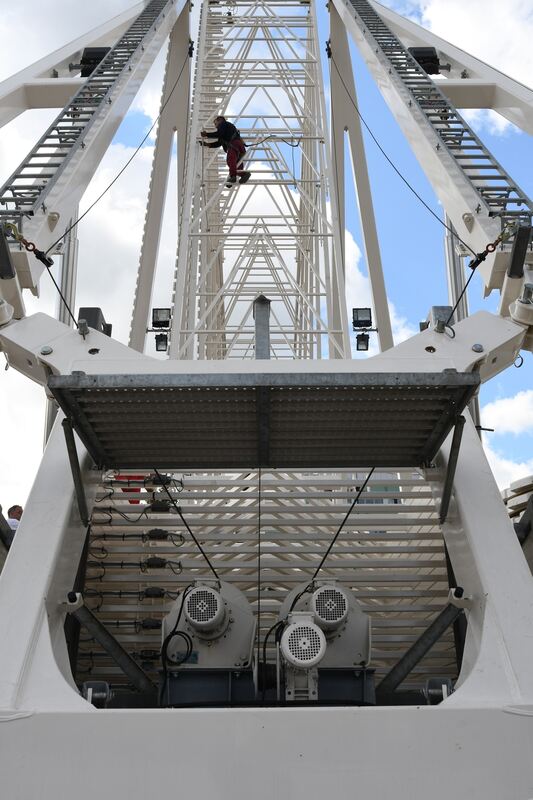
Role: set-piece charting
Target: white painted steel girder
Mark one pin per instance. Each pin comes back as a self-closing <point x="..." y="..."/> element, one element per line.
<point x="483" y="342"/>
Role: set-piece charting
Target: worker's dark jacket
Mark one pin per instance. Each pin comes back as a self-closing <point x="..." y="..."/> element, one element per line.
<point x="226" y="133"/>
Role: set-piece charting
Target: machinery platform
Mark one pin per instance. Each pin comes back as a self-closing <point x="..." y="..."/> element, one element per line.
<point x="243" y="421"/>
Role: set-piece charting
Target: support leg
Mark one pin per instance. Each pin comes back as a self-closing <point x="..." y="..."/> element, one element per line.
<point x="344" y="118"/>
<point x="173" y="119"/>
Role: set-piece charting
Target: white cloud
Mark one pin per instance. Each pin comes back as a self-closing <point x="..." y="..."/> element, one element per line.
<point x="22" y="409"/>
<point x="148" y="98"/>
<point x="506" y="470"/>
<point x="482" y="29"/>
<point x="19" y="136"/>
<point x="510" y="414"/>
<point x="401" y="327"/>
<point x="486" y="30"/>
<point x="358" y="295"/>
<point x="485" y="119"/>
<point x="110" y="238"/>
<point x="45" y="27"/>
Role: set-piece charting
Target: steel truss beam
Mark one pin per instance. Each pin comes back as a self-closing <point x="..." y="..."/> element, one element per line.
<point x="280" y="236"/>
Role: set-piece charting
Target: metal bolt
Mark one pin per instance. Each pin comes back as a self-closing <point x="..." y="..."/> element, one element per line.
<point x="468" y="220"/>
<point x="46" y="350"/>
<point x="477" y="348"/>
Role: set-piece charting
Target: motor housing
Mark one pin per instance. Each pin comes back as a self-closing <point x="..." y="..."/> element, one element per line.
<point x="325" y="646"/>
<point x="209" y="660"/>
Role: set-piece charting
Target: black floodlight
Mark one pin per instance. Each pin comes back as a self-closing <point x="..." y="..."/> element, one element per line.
<point x="90" y="58"/>
<point x="94" y="318"/>
<point x="361" y="318"/>
<point x="362" y="341"/>
<point x="161" y="318"/>
<point x="7" y="270"/>
<point x="428" y="59"/>
<point x="161" y="342"/>
<point x="521" y="244"/>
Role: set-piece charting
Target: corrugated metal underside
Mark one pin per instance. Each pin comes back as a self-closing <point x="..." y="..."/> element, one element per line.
<point x="390" y="554"/>
<point x="245" y="421"/>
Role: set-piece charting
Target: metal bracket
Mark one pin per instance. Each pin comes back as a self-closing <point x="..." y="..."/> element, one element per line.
<point x="452" y="465"/>
<point x="6" y="534"/>
<point x="423" y="644"/>
<point x="524" y="527"/>
<point x="457" y="598"/>
<point x="85" y="617"/>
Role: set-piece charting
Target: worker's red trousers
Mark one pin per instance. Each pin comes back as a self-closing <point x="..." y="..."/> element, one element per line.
<point x="236" y="150"/>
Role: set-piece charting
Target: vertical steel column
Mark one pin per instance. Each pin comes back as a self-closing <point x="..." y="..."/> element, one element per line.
<point x="454" y="272"/>
<point x="455" y="275"/>
<point x="262" y="326"/>
<point x="450" y="472"/>
<point x="174" y="118"/>
<point x="344" y="119"/>
<point x="67" y="280"/>
<point x="338" y="310"/>
<point x="76" y="471"/>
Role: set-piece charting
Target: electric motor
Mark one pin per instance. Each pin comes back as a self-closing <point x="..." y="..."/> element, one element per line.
<point x="330" y="607"/>
<point x="338" y="614"/>
<point x="303" y="644"/>
<point x="204" y="609"/>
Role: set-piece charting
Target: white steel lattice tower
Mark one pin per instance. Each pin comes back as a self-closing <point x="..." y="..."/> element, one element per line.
<point x="280" y="236"/>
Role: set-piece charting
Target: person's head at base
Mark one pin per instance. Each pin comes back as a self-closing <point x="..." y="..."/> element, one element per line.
<point x="219" y="121"/>
<point x="15" y="512"/>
